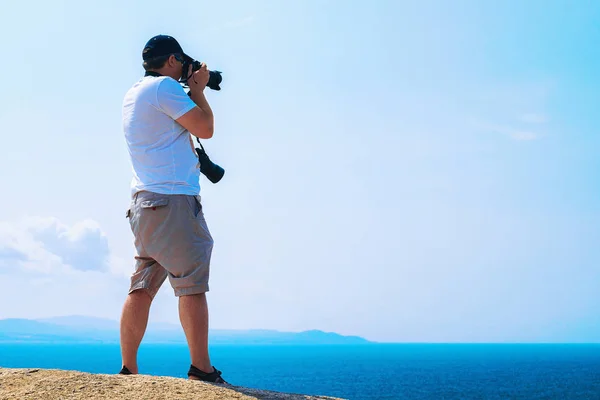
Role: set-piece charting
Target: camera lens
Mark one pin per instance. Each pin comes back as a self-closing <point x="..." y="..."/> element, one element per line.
<point x="214" y="78"/>
<point x="212" y="171"/>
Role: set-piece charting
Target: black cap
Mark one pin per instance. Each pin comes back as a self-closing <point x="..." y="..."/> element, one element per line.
<point x="162" y="45"/>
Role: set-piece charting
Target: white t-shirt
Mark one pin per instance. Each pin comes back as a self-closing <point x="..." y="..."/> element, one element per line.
<point x="163" y="161"/>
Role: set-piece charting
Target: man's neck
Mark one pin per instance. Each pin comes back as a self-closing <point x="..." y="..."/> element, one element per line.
<point x="164" y="72"/>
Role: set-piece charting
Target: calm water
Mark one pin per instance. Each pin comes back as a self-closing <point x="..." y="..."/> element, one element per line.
<point x="387" y="371"/>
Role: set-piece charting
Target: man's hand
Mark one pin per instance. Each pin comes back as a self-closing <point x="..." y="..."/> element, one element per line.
<point x="197" y="82"/>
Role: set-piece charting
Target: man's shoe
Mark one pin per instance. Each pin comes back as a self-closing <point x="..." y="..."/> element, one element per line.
<point x="125" y="371"/>
<point x="214" y="376"/>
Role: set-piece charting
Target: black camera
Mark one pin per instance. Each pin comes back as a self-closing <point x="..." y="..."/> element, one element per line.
<point x="212" y="171"/>
<point x="214" y="77"/>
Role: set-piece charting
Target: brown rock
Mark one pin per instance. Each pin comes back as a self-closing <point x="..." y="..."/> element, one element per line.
<point x="50" y="384"/>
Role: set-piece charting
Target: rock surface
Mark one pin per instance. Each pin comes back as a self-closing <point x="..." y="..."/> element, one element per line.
<point x="50" y="384"/>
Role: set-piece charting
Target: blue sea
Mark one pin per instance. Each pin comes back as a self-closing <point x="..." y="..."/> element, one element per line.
<point x="373" y="371"/>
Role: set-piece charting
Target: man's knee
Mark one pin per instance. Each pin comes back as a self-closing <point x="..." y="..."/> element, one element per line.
<point x="142" y="294"/>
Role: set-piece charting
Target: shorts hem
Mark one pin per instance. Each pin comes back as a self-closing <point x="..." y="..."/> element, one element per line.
<point x="190" y="291"/>
<point x="141" y="286"/>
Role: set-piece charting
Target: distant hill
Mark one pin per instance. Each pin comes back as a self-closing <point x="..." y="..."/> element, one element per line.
<point x="81" y="329"/>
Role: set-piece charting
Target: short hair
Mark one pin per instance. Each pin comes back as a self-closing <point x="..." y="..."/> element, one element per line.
<point x="156" y="62"/>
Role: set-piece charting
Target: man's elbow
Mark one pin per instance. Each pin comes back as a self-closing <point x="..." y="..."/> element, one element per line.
<point x="198" y="123"/>
<point x="206" y="132"/>
<point x="209" y="133"/>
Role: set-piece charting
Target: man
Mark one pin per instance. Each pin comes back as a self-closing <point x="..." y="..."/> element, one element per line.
<point x="170" y="233"/>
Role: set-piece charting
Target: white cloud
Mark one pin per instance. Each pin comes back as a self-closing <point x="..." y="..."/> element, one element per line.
<point x="533" y="118"/>
<point x="514" y="110"/>
<point x="59" y="269"/>
<point x="520" y="134"/>
<point x="47" y="245"/>
<point x="512" y="132"/>
<point x="26" y="252"/>
<point x="9" y="254"/>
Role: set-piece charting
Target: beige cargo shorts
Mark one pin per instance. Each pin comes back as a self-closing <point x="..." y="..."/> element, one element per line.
<point x="171" y="240"/>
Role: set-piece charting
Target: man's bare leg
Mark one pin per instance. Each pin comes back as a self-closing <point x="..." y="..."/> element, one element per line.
<point x="134" y="320"/>
<point x="193" y="314"/>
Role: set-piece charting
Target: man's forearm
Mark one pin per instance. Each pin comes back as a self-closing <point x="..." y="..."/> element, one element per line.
<point x="200" y="100"/>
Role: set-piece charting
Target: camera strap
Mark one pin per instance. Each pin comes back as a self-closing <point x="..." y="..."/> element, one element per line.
<point x="198" y="140"/>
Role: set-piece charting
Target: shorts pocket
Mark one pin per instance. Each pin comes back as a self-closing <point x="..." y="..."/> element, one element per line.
<point x="155" y="203"/>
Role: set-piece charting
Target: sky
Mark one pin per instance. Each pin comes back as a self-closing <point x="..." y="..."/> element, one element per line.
<point x="403" y="171"/>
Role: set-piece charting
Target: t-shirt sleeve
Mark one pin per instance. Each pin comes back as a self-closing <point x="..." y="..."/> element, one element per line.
<point x="172" y="99"/>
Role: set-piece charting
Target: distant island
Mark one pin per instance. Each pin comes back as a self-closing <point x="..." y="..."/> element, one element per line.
<point x="81" y="329"/>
